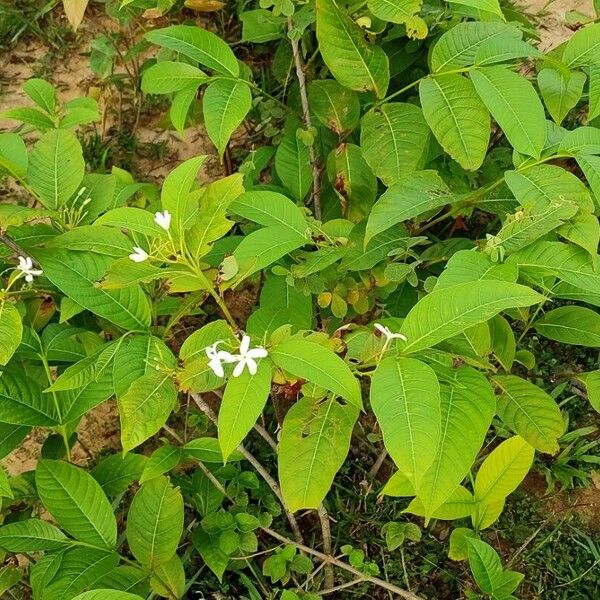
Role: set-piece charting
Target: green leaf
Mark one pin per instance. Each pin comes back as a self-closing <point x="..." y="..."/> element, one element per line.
<point x="398" y="485"/>
<point x="180" y="107"/>
<point x="76" y="273"/>
<point x="225" y="105"/>
<point x="56" y="167"/>
<point x="594" y="92"/>
<point x="411" y="196"/>
<point x="42" y="93"/>
<point x="30" y="116"/>
<point x="22" y="402"/>
<point x="11" y="330"/>
<point x="502" y="341"/>
<point x="499" y="475"/>
<point x="335" y="106"/>
<point x="145" y="407"/>
<point x="107" y="594"/>
<point x="395" y="11"/>
<point x="292" y="165"/>
<point x="320" y="366"/>
<point x="458" y="543"/>
<point x="504" y="49"/>
<point x="260" y="26"/>
<point x="243" y="402"/>
<point x="116" y="472"/>
<point x="530" y="412"/>
<point x="582" y="229"/>
<point x="394" y="139"/>
<point x="155" y="522"/>
<point x="581" y="141"/>
<point x="175" y="193"/>
<point x="168" y="580"/>
<point x="571" y="325"/>
<point x="583" y="49"/>
<point x="352" y="180"/>
<point x="460" y="504"/>
<point x="354" y="62"/>
<point x="447" y="312"/>
<point x="163" y="459"/>
<point x="458" y="47"/>
<point x="31" y="535"/>
<point x="591" y="381"/>
<point x="137" y="220"/>
<point x="467" y="407"/>
<point x="491" y="6"/>
<point x="560" y="94"/>
<point x="198" y="44"/>
<point x="405" y="397"/>
<point x="542" y="186"/>
<point x="514" y="104"/>
<point x="458" y="118"/>
<point x="167" y="77"/>
<point x="208" y="450"/>
<point x="76" y="500"/>
<point x="315" y="439"/>
<point x="488" y="572"/>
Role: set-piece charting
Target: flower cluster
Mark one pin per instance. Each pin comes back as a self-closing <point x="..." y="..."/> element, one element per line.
<point x="163" y="220"/>
<point x="246" y="358"/>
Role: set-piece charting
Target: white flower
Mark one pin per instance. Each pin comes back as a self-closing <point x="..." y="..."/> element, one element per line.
<point x="388" y="333"/>
<point x="247" y="357"/>
<point x="138" y="255"/>
<point x="216" y="357"/>
<point x="163" y="219"/>
<point x="26" y="267"/>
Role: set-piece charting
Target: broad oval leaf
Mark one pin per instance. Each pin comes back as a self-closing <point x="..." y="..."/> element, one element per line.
<point x="446" y="312"/>
<point x="515" y="105"/>
<point x="354" y="62"/>
<point x="56" y="167"/>
<point x="458" y="118"/>
<point x="243" y="402"/>
<point x="107" y="594"/>
<point x="166" y="77"/>
<point x="198" y="44"/>
<point x="76" y="500"/>
<point x="405" y="397"/>
<point x="467" y="407"/>
<point x="315" y="439"/>
<point x="11" y="330"/>
<point x="23" y="403"/>
<point x="395" y="11"/>
<point x="319" y="365"/>
<point x="75" y="274"/>
<point x="583" y="49"/>
<point x="571" y="325"/>
<point x="335" y="106"/>
<point x="394" y="140"/>
<point x="560" y="93"/>
<point x="225" y="104"/>
<point x="292" y="165"/>
<point x="155" y="522"/>
<point x="31" y="535"/>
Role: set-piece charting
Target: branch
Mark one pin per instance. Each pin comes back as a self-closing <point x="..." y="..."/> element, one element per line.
<point x="326" y="531"/>
<point x="15" y="247"/>
<point x="208" y="411"/>
<point x="316" y="194"/>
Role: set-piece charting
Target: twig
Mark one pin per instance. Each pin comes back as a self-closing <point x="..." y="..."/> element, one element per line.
<point x="16" y="248"/>
<point x="342" y="565"/>
<point x="208" y="411"/>
<point x="326" y="532"/>
<point x="377" y="464"/>
<point x="343" y="586"/>
<point x="316" y="176"/>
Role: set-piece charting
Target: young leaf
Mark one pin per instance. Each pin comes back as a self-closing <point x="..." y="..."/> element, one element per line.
<point x="409" y="197"/>
<point x="166" y="77"/>
<point x="459" y="45"/>
<point x="145" y="407"/>
<point x="319" y="365"/>
<point x="163" y="459"/>
<point x="394" y="139"/>
<point x="354" y="62"/>
<point x="571" y="325"/>
<point x="499" y="475"/>
<point x="447" y="312"/>
<point x="31" y="535"/>
<point x="336" y="107"/>
<point x="405" y="397"/>
<point x="155" y="522"/>
<point x="460" y="504"/>
<point x="198" y="44"/>
<point x="243" y="402"/>
<point x="315" y="439"/>
<point x="560" y="93"/>
<point x="180" y="107"/>
<point x="458" y="118"/>
<point x="225" y="105"/>
<point x="56" y="167"/>
<point x="42" y="93"/>
<point x="530" y="412"/>
<point x="76" y="500"/>
<point x="292" y="165"/>
<point x="467" y="407"/>
<point x="11" y="330"/>
<point x="458" y="543"/>
<point x="582" y="49"/>
<point x="515" y="105"/>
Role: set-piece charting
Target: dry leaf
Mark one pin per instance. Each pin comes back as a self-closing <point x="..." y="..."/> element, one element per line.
<point x="204" y="5"/>
<point x="153" y="13"/>
<point x="74" y="11"/>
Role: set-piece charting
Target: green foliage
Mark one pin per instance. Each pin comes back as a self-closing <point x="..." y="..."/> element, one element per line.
<point x="418" y="210"/>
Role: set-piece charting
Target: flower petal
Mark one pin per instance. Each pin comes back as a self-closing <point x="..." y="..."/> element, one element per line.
<point x="258" y="352"/>
<point x="252" y="366"/>
<point x="239" y="368"/>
